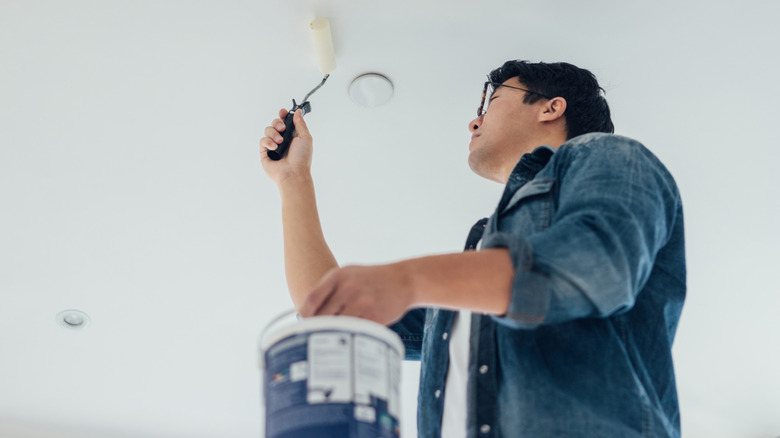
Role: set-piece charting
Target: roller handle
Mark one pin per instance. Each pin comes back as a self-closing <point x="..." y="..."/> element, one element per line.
<point x="289" y="131"/>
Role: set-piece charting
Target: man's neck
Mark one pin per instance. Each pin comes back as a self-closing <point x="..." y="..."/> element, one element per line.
<point x="510" y="165"/>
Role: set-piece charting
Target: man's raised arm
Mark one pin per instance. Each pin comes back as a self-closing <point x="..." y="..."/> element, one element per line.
<point x="307" y="257"/>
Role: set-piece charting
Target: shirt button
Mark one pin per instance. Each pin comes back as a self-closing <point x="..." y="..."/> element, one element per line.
<point x="444" y="336"/>
<point x="485" y="428"/>
<point x="483" y="369"/>
<point x="437" y="393"/>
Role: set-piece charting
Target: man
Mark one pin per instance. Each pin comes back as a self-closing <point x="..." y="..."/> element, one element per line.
<point x="562" y="323"/>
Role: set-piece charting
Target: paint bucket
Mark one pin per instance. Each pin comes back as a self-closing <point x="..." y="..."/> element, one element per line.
<point x="331" y="377"/>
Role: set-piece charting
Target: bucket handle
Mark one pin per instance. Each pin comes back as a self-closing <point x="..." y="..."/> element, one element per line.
<point x="285" y="314"/>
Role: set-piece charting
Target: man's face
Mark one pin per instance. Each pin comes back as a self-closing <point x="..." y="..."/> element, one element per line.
<point x="503" y="134"/>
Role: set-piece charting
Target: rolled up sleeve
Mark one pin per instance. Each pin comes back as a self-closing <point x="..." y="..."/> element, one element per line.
<point x="614" y="212"/>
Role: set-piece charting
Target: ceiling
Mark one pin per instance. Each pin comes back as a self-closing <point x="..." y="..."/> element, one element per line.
<point x="131" y="186"/>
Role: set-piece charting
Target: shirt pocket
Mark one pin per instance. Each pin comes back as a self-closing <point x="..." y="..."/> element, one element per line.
<point x="529" y="210"/>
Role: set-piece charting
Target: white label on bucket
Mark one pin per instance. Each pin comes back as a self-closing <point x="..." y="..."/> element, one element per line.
<point x="371" y="376"/>
<point x="298" y="371"/>
<point x="365" y="413"/>
<point x="393" y="398"/>
<point x="330" y="368"/>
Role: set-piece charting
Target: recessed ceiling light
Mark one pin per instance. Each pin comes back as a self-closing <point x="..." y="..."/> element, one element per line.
<point x="370" y="90"/>
<point x="73" y="319"/>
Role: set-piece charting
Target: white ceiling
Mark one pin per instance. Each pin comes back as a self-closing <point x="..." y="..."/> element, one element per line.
<point x="131" y="187"/>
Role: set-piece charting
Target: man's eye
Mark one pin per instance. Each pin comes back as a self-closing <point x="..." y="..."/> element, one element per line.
<point x="491" y="99"/>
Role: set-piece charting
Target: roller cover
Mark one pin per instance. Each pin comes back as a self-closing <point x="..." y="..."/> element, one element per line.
<point x="323" y="45"/>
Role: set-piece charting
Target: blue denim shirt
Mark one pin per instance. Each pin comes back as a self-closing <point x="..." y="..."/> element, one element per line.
<point x="595" y="233"/>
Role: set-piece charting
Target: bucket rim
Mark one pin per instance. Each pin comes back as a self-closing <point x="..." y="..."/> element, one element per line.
<point x="339" y="323"/>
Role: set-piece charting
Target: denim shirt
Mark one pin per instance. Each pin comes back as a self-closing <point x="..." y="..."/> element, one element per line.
<point x="595" y="234"/>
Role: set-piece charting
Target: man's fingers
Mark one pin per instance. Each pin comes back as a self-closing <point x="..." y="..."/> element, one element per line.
<point x="267" y="143"/>
<point x="300" y="124"/>
<point x="273" y="134"/>
<point x="334" y="305"/>
<point x="278" y="124"/>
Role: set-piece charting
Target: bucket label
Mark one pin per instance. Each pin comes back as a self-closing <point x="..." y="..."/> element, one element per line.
<point x="394" y="396"/>
<point x="299" y="371"/>
<point x="330" y="368"/>
<point x="371" y="378"/>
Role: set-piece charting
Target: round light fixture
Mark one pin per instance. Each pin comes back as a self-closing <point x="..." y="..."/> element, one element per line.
<point x="371" y="90"/>
<point x="73" y="319"/>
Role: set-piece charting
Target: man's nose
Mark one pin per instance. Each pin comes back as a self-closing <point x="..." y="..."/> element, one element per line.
<point x="475" y="124"/>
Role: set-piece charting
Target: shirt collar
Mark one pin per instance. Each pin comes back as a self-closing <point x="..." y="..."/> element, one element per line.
<point x="531" y="163"/>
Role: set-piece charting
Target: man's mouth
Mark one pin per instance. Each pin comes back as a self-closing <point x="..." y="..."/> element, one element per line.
<point x="473" y="137"/>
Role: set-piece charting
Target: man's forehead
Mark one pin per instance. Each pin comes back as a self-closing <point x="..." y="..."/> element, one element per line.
<point x="515" y="82"/>
<point x="512" y="82"/>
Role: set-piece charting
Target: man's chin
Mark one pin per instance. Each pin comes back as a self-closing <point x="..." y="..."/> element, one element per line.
<point x="479" y="163"/>
<point x="476" y="164"/>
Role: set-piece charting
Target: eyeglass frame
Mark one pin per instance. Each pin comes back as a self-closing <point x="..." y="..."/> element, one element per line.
<point x="481" y="109"/>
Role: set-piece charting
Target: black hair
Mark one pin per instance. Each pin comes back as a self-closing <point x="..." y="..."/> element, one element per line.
<point x="586" y="107"/>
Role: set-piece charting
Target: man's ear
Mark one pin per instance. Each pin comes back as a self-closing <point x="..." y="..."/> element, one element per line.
<point x="553" y="109"/>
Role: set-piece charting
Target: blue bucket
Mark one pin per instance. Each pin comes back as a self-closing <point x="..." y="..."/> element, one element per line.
<point x="331" y="377"/>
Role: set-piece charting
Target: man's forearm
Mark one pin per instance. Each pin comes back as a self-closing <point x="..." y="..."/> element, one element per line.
<point x="477" y="280"/>
<point x="306" y="254"/>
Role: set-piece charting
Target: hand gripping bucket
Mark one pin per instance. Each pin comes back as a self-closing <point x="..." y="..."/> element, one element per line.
<point x="331" y="377"/>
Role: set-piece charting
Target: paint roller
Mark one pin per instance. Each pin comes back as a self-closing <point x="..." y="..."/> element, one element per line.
<point x="326" y="62"/>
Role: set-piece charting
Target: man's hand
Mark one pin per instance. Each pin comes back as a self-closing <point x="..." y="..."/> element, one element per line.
<point x="299" y="156"/>
<point x="381" y="293"/>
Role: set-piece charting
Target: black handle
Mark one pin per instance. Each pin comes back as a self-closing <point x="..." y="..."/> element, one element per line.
<point x="287" y="135"/>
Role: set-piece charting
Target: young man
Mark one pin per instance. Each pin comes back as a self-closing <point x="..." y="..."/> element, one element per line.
<point x="562" y="323"/>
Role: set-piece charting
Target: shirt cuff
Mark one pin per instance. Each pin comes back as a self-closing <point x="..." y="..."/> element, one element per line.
<point x="530" y="300"/>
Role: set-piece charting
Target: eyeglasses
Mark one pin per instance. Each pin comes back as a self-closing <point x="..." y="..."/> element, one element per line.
<point x="481" y="110"/>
